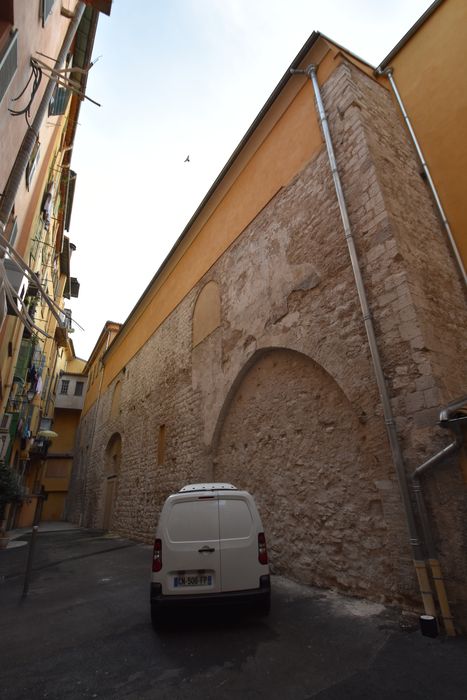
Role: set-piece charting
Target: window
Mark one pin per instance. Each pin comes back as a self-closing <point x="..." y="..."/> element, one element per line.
<point x="79" y="388"/>
<point x="46" y="9"/>
<point x="8" y="56"/>
<point x="59" y="101"/>
<point x="64" y="386"/>
<point x="11" y="230"/>
<point x="32" y="163"/>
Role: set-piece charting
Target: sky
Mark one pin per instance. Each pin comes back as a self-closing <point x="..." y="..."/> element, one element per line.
<point x="177" y="78"/>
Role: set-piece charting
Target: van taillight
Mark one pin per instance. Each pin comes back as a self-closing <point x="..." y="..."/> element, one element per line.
<point x="262" y="549"/>
<point x="157" y="556"/>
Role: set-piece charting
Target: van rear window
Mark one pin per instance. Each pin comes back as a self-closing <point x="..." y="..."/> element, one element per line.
<point x="235" y="521"/>
<point x="193" y="521"/>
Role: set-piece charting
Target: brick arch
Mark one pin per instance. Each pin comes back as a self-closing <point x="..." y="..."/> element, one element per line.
<point x="290" y="435"/>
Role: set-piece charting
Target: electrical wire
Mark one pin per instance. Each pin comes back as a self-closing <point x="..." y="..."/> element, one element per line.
<point x="36" y="73"/>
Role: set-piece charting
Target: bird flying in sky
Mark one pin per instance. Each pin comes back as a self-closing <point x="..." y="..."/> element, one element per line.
<point x="187" y="159"/>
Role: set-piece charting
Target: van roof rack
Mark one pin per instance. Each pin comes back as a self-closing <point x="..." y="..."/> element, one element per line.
<point x="209" y="486"/>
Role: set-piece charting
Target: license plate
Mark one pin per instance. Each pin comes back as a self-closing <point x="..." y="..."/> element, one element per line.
<point x="189" y="580"/>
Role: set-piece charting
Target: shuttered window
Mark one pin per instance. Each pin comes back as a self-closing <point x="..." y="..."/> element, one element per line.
<point x="8" y="63"/>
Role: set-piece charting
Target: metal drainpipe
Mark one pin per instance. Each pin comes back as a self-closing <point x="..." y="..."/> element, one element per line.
<point x="389" y="74"/>
<point x="418" y="558"/>
<point x="24" y="153"/>
<point x="424" y="519"/>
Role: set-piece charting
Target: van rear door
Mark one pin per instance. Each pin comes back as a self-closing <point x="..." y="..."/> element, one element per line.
<point x="239" y="524"/>
<point x="191" y="553"/>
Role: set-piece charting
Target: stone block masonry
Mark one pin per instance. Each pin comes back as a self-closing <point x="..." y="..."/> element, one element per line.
<point x="280" y="398"/>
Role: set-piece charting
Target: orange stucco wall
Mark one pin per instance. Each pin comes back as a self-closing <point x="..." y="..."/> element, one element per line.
<point x="429" y="72"/>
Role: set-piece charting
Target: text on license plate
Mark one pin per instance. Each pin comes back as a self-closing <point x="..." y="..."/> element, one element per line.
<point x="193" y="580"/>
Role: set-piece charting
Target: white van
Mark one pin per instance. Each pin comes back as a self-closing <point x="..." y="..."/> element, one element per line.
<point x="210" y="548"/>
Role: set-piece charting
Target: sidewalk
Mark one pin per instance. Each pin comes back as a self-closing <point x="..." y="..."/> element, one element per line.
<point x="52" y="526"/>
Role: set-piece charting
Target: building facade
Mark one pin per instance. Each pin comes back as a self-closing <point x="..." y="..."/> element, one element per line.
<point x="300" y="341"/>
<point x="45" y="55"/>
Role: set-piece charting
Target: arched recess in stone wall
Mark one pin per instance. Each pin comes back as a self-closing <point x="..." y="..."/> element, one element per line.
<point x="207" y="312"/>
<point x="112" y="461"/>
<point x="289" y="434"/>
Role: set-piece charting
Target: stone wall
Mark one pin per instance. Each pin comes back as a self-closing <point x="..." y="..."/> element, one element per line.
<point x="280" y="398"/>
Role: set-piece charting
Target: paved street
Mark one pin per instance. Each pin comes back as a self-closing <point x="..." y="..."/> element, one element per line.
<point x="84" y="632"/>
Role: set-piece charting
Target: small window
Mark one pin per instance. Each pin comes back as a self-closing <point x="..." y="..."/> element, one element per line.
<point x="79" y="388"/>
<point x="46" y="9"/>
<point x="59" y="101"/>
<point x="161" y="445"/>
<point x="8" y="56"/>
<point x="64" y="386"/>
<point x="11" y="230"/>
<point x="115" y="406"/>
<point x="32" y="163"/>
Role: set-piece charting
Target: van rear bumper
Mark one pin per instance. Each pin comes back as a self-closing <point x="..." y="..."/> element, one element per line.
<point x="254" y="597"/>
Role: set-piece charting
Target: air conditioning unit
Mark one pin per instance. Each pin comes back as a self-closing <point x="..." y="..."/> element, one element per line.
<point x="4" y="444"/>
<point x="5" y="422"/>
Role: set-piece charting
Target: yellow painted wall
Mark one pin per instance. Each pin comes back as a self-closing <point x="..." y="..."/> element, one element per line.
<point x="430" y="75"/>
<point x="94" y="366"/>
<point x="56" y="475"/>
<point x="53" y="507"/>
<point x="65" y="424"/>
<point x="75" y="365"/>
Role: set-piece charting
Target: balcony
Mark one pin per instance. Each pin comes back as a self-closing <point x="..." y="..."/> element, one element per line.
<point x="61" y="332"/>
